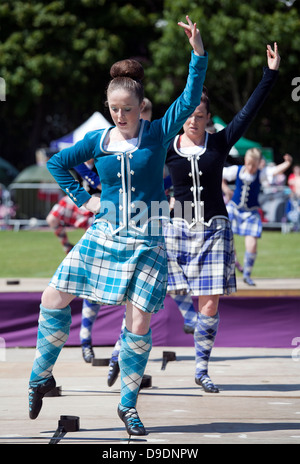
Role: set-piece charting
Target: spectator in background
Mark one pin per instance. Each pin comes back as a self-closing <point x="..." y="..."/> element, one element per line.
<point x="293" y="205"/>
<point x="294" y="181"/>
<point x="66" y="214"/>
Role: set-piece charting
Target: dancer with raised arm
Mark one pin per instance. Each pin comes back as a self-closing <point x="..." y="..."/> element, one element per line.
<point x="122" y="256"/>
<point x="200" y="240"/>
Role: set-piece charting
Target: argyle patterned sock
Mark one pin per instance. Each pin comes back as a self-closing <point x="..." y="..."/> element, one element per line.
<point x="204" y="336"/>
<point x="249" y="260"/>
<point x="53" y="332"/>
<point x="186" y="307"/>
<point x="89" y="315"/>
<point x="134" y="354"/>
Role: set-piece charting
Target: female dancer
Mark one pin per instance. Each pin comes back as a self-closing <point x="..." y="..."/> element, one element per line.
<point x="122" y="256"/>
<point x="199" y="241"/>
<point x="243" y="207"/>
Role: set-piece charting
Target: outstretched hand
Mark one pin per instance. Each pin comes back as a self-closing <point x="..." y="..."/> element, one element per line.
<point x="273" y="57"/>
<point x="193" y="35"/>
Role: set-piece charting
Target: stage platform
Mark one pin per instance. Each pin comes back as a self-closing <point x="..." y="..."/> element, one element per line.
<point x="255" y="363"/>
<point x="258" y="402"/>
<point x="264" y="287"/>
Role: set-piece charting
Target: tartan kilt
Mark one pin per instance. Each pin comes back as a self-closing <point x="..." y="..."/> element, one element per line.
<point x="70" y="215"/>
<point x="200" y="259"/>
<point x="244" y="222"/>
<point x="112" y="269"/>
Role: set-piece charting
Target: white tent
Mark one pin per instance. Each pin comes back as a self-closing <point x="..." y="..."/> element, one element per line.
<point x="96" y="121"/>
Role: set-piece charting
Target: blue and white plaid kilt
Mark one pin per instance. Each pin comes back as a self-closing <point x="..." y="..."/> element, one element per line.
<point x="200" y="259"/>
<point x="244" y="222"/>
<point x="112" y="269"/>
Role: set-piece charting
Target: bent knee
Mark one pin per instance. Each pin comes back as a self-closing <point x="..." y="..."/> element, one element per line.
<point x="54" y="299"/>
<point x="52" y="221"/>
<point x="208" y="305"/>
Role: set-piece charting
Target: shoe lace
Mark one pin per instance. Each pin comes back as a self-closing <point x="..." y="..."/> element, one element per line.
<point x="113" y="362"/>
<point x="133" y="417"/>
<point x="206" y="380"/>
<point x="30" y="396"/>
<point x="88" y="351"/>
<point x="31" y="393"/>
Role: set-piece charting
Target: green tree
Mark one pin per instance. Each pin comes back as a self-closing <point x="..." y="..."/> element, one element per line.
<point x="55" y="58"/>
<point x="235" y="34"/>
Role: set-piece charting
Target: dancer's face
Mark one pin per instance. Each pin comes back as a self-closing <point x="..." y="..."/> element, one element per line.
<point x="251" y="164"/>
<point x="125" y="111"/>
<point x="195" y="125"/>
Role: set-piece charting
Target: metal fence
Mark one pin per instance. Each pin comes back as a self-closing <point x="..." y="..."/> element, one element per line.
<point x="28" y="204"/>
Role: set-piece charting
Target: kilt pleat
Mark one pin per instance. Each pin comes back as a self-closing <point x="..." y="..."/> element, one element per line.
<point x="244" y="222"/>
<point x="112" y="269"/>
<point x="200" y="259"/>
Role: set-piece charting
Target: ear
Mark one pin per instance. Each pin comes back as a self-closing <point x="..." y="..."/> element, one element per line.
<point x="142" y="106"/>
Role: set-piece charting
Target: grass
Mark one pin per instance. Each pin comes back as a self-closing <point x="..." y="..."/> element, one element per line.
<point x="32" y="253"/>
<point x="278" y="255"/>
<point x="37" y="253"/>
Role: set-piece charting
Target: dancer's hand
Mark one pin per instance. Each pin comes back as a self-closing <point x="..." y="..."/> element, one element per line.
<point x="273" y="57"/>
<point x="194" y="36"/>
<point x="93" y="205"/>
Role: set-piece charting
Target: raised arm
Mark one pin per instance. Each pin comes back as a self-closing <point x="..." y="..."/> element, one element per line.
<point x="193" y="35"/>
<point x="167" y="127"/>
<point x="240" y="123"/>
<point x="282" y="167"/>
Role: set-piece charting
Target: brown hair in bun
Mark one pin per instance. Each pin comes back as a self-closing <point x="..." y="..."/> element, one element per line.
<point x="127" y="75"/>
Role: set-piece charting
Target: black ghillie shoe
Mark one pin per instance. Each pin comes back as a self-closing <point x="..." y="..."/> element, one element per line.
<point x="188" y="329"/>
<point x="132" y="421"/>
<point x="205" y="382"/>
<point x="87" y="353"/>
<point x="36" y="395"/>
<point x="249" y="281"/>
<point x="113" y="372"/>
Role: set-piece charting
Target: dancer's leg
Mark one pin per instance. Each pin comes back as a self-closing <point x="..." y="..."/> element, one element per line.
<point x="53" y="331"/>
<point x="204" y="336"/>
<point x="135" y="349"/>
<point x="186" y="307"/>
<point x="249" y="258"/>
<point x="60" y="232"/>
<point x="237" y="263"/>
<point x="89" y="315"/>
<point x="114" y="368"/>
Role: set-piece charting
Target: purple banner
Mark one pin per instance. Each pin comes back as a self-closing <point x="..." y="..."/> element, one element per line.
<point x="270" y="322"/>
